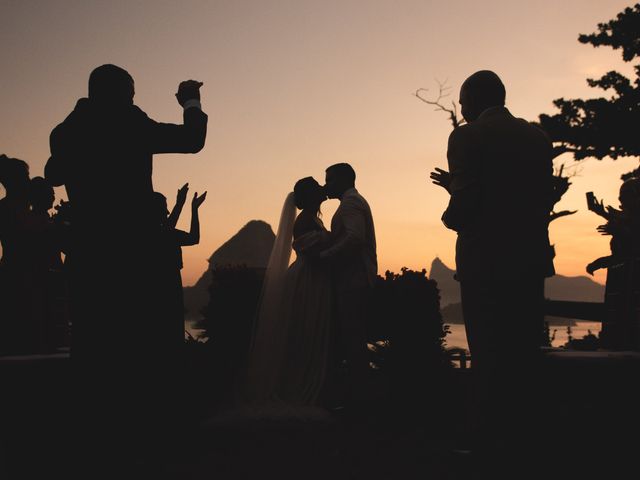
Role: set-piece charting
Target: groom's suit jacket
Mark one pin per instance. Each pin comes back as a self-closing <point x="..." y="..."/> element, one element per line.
<point x="353" y="247"/>
<point x="501" y="174"/>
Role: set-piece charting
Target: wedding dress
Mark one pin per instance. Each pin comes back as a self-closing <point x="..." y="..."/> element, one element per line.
<point x="290" y="345"/>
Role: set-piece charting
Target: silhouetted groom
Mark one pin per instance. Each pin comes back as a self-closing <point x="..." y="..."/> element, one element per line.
<point x="102" y="153"/>
<point x="500" y="184"/>
<point x="355" y="266"/>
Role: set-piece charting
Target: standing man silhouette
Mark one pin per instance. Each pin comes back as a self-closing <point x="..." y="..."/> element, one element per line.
<point x="103" y="154"/>
<point x="352" y="253"/>
<point x="500" y="184"/>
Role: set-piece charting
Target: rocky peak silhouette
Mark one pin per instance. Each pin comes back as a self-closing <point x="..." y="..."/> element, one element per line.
<point x="251" y="247"/>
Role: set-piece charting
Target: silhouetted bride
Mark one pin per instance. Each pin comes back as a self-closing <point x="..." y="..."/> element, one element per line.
<point x="290" y="344"/>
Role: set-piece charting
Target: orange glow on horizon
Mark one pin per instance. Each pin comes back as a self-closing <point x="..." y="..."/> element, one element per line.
<point x="292" y="87"/>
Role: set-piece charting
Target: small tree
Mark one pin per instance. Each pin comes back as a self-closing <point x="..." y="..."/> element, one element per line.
<point x="603" y="127"/>
<point x="443" y="92"/>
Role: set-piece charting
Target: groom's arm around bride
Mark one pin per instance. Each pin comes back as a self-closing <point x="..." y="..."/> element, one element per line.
<point x="353" y="243"/>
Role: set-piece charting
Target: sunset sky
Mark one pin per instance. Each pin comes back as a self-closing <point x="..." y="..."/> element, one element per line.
<point x="294" y="86"/>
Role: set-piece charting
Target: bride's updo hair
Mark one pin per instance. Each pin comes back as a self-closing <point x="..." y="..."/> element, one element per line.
<point x="306" y="194"/>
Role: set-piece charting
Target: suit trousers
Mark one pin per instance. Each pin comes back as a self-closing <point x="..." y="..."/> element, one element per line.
<point x="351" y="311"/>
<point x="504" y="323"/>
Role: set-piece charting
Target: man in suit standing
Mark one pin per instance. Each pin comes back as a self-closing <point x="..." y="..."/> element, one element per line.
<point x="500" y="185"/>
<point x="103" y="154"/>
<point x="355" y="266"/>
<point x="125" y="373"/>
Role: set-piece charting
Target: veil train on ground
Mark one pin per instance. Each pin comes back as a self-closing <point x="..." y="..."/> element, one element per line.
<point x="269" y="335"/>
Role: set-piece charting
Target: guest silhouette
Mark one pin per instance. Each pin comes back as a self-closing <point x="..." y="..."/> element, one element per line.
<point x="623" y="225"/>
<point x="499" y="179"/>
<point x="15" y="281"/>
<point x="172" y="241"/>
<point x="103" y="154"/>
<point x="47" y="282"/>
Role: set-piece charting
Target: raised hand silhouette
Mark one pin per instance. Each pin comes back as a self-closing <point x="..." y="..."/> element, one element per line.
<point x="441" y="177"/>
<point x="181" y="197"/>
<point x="188" y="90"/>
<point x="197" y="201"/>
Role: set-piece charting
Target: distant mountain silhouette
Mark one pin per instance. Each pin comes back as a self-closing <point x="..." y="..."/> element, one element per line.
<point x="578" y="289"/>
<point x="251" y="247"/>
<point x="449" y="288"/>
<point x="558" y="287"/>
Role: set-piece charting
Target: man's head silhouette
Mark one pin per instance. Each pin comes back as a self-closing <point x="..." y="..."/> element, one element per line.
<point x="308" y="193"/>
<point x="111" y="85"/>
<point x="480" y="91"/>
<point x="339" y="178"/>
<point x="14" y="174"/>
<point x="630" y="195"/>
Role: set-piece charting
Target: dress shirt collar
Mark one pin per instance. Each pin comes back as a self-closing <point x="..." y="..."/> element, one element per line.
<point x="492" y="111"/>
<point x="350" y="192"/>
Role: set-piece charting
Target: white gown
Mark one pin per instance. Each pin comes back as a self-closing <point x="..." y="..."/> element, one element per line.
<point x="290" y="346"/>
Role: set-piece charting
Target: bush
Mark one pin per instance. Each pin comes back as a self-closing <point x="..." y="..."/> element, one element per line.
<point x="405" y="329"/>
<point x="408" y="333"/>
<point x="228" y="321"/>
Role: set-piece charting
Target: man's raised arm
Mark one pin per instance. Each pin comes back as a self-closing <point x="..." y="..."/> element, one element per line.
<point x="188" y="137"/>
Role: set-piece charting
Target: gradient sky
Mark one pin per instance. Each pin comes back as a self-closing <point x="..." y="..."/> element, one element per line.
<point x="294" y="86"/>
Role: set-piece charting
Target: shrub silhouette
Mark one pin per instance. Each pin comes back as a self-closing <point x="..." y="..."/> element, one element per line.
<point x="408" y="333"/>
<point x="405" y="329"/>
<point x="234" y="293"/>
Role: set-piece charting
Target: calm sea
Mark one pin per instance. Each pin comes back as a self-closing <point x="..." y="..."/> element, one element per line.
<point x="458" y="337"/>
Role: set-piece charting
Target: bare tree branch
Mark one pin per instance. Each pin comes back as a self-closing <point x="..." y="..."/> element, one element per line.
<point x="443" y="92"/>
<point x="555" y="215"/>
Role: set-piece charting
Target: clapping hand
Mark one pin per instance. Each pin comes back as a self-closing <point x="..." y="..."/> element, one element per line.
<point x="596" y="206"/>
<point x="604" y="229"/>
<point x="181" y="197"/>
<point x="442" y="178"/>
<point x="593" y="266"/>
<point x="63" y="212"/>
<point x="198" y="200"/>
<point x="188" y="90"/>
<point x="610" y="228"/>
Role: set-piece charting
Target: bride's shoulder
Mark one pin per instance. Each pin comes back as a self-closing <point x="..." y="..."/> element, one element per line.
<point x="306" y="223"/>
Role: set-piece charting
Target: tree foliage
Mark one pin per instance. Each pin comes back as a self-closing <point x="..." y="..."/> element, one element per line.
<point x="603" y="126"/>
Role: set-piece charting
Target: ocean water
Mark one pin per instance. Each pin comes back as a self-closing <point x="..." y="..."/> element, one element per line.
<point x="458" y="338"/>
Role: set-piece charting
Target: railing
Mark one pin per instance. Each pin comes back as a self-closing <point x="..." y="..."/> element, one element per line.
<point x="592" y="311"/>
<point x="619" y="313"/>
<point x="461" y="356"/>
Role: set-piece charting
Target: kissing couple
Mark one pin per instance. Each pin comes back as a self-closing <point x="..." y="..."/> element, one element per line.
<point x="312" y="312"/>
